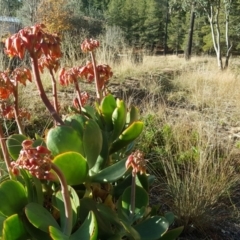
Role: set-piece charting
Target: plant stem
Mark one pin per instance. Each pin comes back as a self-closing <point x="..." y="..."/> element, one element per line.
<point x="66" y="199"/>
<point x="5" y="152"/>
<point x="42" y="93"/>
<point x="54" y="92"/>
<point x="78" y="92"/>
<point x="96" y="77"/>
<point x="133" y="195"/>
<point x="16" y="110"/>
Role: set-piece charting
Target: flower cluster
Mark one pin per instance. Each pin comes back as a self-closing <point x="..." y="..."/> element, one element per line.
<point x="34" y="40"/>
<point x="83" y="98"/>
<point x="89" y="45"/>
<point x="21" y="75"/>
<point x="8" y="112"/>
<point x="35" y="160"/>
<point x="137" y="162"/>
<point x="6" y="85"/>
<point x="9" y="81"/>
<point x="71" y="75"/>
<point x="48" y="62"/>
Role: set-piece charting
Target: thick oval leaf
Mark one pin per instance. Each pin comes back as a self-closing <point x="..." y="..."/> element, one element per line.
<point x="2" y="219"/>
<point x="119" y="119"/>
<point x="127" y="136"/>
<point x="56" y="234"/>
<point x="107" y="106"/>
<point x="57" y="201"/>
<point x="170" y="217"/>
<point x="120" y="187"/>
<point x="64" y="139"/>
<point x="77" y="122"/>
<point x="39" y="142"/>
<point x="104" y="226"/>
<point x="172" y="234"/>
<point x="74" y="167"/>
<point x="130" y="231"/>
<point x="89" y="111"/>
<point x="13" y="229"/>
<point x="142" y="181"/>
<point x="141" y="199"/>
<point x="14" y="145"/>
<point x="13" y="197"/>
<point x="88" y="230"/>
<point x="92" y="142"/>
<point x="40" y="217"/>
<point x="34" y="232"/>
<point x="110" y="174"/>
<point x="103" y="156"/>
<point x="132" y="115"/>
<point x="152" y="228"/>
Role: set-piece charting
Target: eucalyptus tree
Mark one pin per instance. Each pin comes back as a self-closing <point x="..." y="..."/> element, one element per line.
<point x="213" y="10"/>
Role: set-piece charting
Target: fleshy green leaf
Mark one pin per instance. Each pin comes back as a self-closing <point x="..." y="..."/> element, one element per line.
<point x="74" y="167"/>
<point x="172" y="234"/>
<point x="63" y="139"/>
<point x="141" y="199"/>
<point x="56" y="234"/>
<point x="104" y="226"/>
<point x="39" y="142"/>
<point x="107" y="106"/>
<point x="77" y="122"/>
<point x="2" y="219"/>
<point x="59" y="204"/>
<point x="13" y="228"/>
<point x="92" y="142"/>
<point x="14" y="145"/>
<point x="152" y="228"/>
<point x="88" y="230"/>
<point x="39" y="217"/>
<point x="170" y="217"/>
<point x="104" y="154"/>
<point x="120" y="187"/>
<point x="110" y="174"/>
<point x="13" y="197"/>
<point x="130" y="231"/>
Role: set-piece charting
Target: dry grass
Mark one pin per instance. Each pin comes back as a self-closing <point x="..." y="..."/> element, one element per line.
<point x="189" y="141"/>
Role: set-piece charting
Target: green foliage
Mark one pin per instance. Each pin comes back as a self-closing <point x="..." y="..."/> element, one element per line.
<point x="161" y="140"/>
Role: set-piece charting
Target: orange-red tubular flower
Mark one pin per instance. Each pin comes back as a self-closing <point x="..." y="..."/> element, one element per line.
<point x="89" y="45"/>
<point x="137" y="162"/>
<point x="35" y="40"/>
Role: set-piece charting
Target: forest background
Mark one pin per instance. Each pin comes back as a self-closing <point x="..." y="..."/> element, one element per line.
<point x="158" y="26"/>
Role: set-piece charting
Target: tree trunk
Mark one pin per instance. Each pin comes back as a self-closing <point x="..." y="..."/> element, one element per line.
<point x="166" y="31"/>
<point x="228" y="45"/>
<point x="216" y="33"/>
<point x="188" y="51"/>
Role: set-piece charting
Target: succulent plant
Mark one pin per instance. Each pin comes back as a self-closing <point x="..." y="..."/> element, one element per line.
<point x="83" y="179"/>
